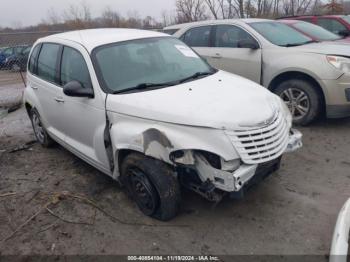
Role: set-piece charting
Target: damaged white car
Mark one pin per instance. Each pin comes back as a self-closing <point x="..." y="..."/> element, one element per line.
<point x="145" y="109"/>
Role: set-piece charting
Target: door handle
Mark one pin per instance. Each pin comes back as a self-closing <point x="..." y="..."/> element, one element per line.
<point x="217" y="56"/>
<point x="35" y="87"/>
<point x="59" y="99"/>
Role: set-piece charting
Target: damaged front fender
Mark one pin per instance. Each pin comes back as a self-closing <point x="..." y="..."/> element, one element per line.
<point x="159" y="139"/>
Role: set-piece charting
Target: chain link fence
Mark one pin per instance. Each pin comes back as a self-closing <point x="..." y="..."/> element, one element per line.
<point x="14" y="52"/>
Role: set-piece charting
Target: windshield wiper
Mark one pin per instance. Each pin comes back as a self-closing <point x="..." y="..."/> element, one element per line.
<point x="196" y="75"/>
<point x="144" y="86"/>
<point x="299" y="44"/>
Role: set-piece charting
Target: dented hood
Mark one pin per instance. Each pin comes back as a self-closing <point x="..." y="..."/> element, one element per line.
<point x="222" y="101"/>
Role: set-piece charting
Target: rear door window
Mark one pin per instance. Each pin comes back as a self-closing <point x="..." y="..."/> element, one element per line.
<point x="331" y="25"/>
<point x="47" y="62"/>
<point x="74" y="68"/>
<point x="198" y="36"/>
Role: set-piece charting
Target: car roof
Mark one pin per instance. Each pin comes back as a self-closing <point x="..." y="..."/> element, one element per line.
<point x="289" y="21"/>
<point x="219" y="21"/>
<point x="91" y="38"/>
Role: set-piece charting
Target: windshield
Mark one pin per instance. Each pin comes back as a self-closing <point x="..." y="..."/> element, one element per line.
<point x="280" y="34"/>
<point x="316" y="32"/>
<point x="346" y="18"/>
<point x="147" y="62"/>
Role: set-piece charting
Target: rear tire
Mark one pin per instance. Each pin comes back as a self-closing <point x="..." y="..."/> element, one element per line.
<point x="39" y="130"/>
<point x="152" y="184"/>
<point x="302" y="99"/>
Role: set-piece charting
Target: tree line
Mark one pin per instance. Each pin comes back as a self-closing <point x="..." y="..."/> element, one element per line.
<point x="78" y="16"/>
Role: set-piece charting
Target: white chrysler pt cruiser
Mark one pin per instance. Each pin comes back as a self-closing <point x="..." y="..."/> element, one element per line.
<point x="145" y="109"/>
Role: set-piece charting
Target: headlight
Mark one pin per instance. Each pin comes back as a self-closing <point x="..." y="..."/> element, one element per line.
<point x="339" y="62"/>
<point x="6" y="60"/>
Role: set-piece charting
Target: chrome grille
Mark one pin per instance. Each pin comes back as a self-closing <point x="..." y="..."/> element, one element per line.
<point x="259" y="145"/>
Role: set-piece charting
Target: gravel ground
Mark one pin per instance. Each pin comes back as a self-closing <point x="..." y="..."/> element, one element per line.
<point x="292" y="212"/>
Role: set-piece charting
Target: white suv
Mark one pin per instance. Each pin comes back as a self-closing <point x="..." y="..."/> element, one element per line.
<point x="145" y="109"/>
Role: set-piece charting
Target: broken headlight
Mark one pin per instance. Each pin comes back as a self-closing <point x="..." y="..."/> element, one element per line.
<point x="231" y="165"/>
<point x="186" y="157"/>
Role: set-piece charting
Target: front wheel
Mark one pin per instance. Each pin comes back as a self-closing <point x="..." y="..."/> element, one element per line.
<point x="302" y="99"/>
<point x="152" y="184"/>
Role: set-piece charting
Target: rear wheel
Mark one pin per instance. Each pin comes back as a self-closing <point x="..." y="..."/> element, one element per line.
<point x="39" y="130"/>
<point x="302" y="99"/>
<point x="152" y="184"/>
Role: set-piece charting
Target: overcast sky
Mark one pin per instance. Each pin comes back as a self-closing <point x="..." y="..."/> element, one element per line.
<point x="30" y="12"/>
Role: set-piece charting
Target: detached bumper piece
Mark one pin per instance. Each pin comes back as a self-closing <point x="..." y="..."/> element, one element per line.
<point x="262" y="171"/>
<point x="294" y="141"/>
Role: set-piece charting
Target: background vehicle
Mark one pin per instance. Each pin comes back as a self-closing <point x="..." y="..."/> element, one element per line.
<point x="279" y="58"/>
<point x="315" y="32"/>
<point x="9" y="52"/>
<point x="340" y="241"/>
<point x="337" y="24"/>
<point x="18" y="61"/>
<point x="113" y="100"/>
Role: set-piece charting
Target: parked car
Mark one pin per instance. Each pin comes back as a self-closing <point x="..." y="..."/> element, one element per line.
<point x="340" y="241"/>
<point x="145" y="109"/>
<point x="311" y="78"/>
<point x="18" y="61"/>
<point x="337" y="24"/>
<point x="8" y="52"/>
<point x="315" y="32"/>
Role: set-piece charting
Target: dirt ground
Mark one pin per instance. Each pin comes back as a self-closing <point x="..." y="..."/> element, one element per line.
<point x="51" y="202"/>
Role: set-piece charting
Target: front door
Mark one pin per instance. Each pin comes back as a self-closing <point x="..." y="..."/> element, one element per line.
<point x="84" y="118"/>
<point x="227" y="54"/>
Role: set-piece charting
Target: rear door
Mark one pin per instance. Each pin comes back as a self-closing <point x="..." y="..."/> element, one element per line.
<point x="226" y="53"/>
<point x="45" y="83"/>
<point x="199" y="39"/>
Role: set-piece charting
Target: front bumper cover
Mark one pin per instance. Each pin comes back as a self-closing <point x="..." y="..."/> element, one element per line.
<point x="235" y="181"/>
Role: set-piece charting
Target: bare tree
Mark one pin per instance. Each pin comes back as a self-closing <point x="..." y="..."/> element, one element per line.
<point x="190" y="10"/>
<point x="110" y="18"/>
<point x="214" y="7"/>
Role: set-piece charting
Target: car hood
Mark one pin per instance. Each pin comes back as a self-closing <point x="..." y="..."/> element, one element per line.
<point x="222" y="101"/>
<point x="326" y="48"/>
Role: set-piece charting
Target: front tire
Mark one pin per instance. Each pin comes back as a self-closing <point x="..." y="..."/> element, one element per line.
<point x="302" y="99"/>
<point x="152" y="184"/>
<point x="39" y="130"/>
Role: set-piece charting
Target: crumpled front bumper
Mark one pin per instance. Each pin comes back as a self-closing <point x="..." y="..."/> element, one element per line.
<point x="294" y="141"/>
<point x="246" y="174"/>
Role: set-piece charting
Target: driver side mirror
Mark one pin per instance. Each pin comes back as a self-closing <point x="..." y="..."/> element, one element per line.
<point x="76" y="89"/>
<point x="248" y="44"/>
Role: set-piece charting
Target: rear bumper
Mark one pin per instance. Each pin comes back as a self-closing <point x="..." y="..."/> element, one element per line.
<point x="340" y="242"/>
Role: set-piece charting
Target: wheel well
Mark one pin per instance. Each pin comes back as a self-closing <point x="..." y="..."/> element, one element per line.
<point x="28" y="108"/>
<point x="122" y="154"/>
<point x="298" y="75"/>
